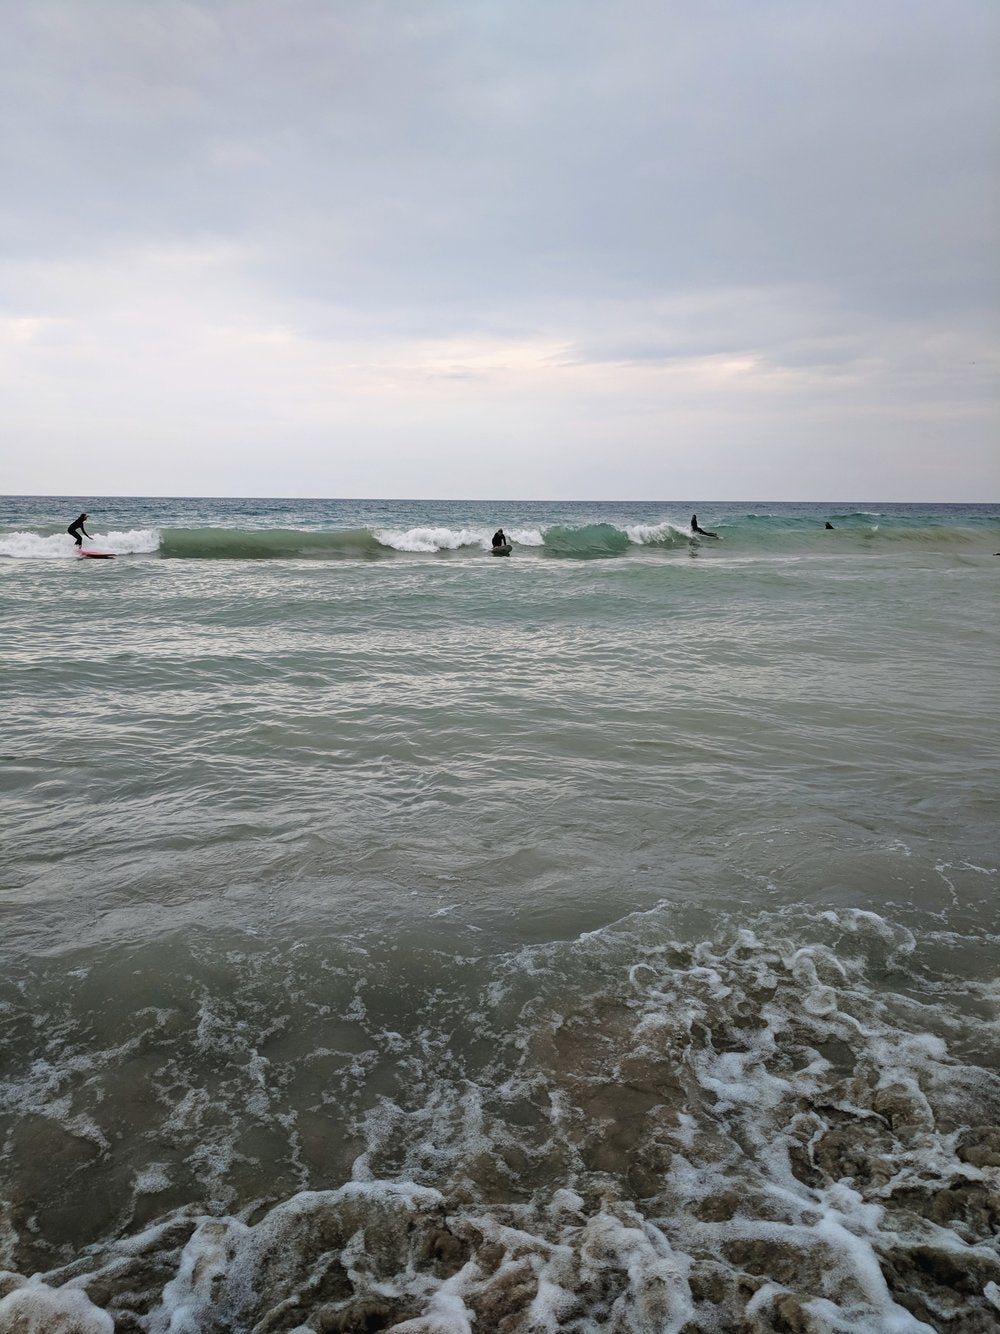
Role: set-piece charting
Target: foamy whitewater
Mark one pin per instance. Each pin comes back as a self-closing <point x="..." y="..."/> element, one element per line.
<point x="600" y="939"/>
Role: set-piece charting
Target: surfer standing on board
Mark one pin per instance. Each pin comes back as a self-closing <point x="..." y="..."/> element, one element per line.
<point x="77" y="530"/>
<point x="700" y="531"/>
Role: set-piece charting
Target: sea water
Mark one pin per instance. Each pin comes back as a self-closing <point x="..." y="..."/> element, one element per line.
<point x="603" y="938"/>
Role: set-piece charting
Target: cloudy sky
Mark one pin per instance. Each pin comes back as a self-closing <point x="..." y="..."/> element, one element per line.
<point x="561" y="248"/>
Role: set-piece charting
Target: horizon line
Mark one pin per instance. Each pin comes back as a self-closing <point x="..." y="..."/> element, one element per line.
<point x="493" y="500"/>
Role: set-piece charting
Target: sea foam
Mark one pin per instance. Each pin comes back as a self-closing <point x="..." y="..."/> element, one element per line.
<point x="658" y="1134"/>
<point x="58" y="546"/>
<point x="433" y="539"/>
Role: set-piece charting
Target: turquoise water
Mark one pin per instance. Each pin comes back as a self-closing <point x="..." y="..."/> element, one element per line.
<point x="35" y="527"/>
<point x="603" y="938"/>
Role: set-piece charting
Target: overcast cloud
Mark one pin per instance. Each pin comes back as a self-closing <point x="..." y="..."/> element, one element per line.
<point x="495" y="248"/>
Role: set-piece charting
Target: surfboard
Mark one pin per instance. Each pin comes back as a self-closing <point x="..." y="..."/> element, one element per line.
<point x="502" y="551"/>
<point x="97" y="555"/>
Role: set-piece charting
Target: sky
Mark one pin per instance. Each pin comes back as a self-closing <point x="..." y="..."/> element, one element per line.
<point x="500" y="248"/>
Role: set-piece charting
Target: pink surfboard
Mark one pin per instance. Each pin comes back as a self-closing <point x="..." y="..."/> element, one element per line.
<point x="96" y="555"/>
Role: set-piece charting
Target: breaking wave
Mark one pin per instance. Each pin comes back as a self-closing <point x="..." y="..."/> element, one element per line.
<point x="60" y="546"/>
<point x="590" y="541"/>
<point x="429" y="540"/>
<point x="753" y="533"/>
<point x="788" y="1125"/>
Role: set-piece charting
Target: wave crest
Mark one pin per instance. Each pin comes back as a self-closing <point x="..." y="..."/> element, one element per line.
<point x="60" y="546"/>
<point x="752" y="533"/>
<point x="432" y="539"/>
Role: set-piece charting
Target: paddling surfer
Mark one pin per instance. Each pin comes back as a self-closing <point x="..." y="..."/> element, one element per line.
<point x="700" y="531"/>
<point x="77" y="531"/>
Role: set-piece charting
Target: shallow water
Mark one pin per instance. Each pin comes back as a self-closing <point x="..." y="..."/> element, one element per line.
<point x="603" y="938"/>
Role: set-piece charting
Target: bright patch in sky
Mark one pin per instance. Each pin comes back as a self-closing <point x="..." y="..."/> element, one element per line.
<point x="346" y="247"/>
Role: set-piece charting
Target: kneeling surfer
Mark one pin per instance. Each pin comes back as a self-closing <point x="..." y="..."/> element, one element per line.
<point x="500" y="539"/>
<point x="77" y="531"/>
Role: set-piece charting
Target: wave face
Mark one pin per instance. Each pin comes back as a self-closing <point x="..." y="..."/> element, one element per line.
<point x="268" y="544"/>
<point x="596" y="541"/>
<point x="587" y="542"/>
<point x="372" y="531"/>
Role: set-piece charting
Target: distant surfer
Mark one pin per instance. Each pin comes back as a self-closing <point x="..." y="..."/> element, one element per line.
<point x="500" y="539"/>
<point x="700" y="531"/>
<point x="77" y="531"/>
<point x="829" y="525"/>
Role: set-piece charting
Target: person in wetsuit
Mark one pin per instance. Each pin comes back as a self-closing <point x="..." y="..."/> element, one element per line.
<point x="700" y="531"/>
<point x="76" y="529"/>
<point x="500" y="538"/>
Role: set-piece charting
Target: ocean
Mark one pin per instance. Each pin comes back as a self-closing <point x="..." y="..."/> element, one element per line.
<point x="599" y="939"/>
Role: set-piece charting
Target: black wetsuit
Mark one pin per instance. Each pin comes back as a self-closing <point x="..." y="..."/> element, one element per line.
<point x="76" y="528"/>
<point x="500" y="538"/>
<point x="696" y="528"/>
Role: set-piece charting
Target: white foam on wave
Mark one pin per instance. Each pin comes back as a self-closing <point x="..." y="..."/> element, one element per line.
<point x="153" y="1179"/>
<point x="35" y="1308"/>
<point x="651" y="534"/>
<point x="60" y="546"/>
<point x="653" y="1130"/>
<point x="527" y="537"/>
<point x="822" y="1180"/>
<point x="224" y="1259"/>
<point x="429" y="540"/>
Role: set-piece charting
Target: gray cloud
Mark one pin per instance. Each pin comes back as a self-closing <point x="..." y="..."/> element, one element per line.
<point x="806" y="190"/>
